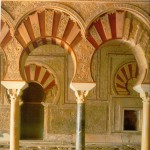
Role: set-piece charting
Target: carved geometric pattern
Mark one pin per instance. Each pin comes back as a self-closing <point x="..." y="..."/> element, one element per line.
<point x="123" y="75"/>
<point x="48" y="25"/>
<point x="118" y="24"/>
<point x="5" y="34"/>
<point x="40" y="75"/>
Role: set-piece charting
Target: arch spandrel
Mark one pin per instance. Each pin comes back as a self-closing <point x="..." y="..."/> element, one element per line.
<point x="11" y="48"/>
<point x="13" y="51"/>
<point x="84" y="52"/>
<point x="6" y="33"/>
<point x="7" y="28"/>
<point x="7" y="18"/>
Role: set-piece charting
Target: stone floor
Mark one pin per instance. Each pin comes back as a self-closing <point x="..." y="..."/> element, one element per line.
<point x="70" y="147"/>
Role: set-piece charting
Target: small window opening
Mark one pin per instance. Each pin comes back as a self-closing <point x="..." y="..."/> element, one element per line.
<point x="130" y="120"/>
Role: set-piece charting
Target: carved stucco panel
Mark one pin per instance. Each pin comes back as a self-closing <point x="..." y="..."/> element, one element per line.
<point x="86" y="10"/>
<point x="4" y="119"/>
<point x="49" y="14"/>
<point x="135" y="31"/>
<point x="96" y="123"/>
<point x="13" y="51"/>
<point x="148" y="52"/>
<point x="61" y="120"/>
<point x="144" y="42"/>
<point x="83" y="51"/>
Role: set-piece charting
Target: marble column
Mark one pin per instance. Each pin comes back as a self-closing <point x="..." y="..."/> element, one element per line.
<point x="145" y="143"/>
<point x="80" y="127"/>
<point x="14" y="119"/>
<point x="13" y="89"/>
<point x="81" y="91"/>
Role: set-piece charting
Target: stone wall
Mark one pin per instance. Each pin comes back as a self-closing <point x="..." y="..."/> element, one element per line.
<point x="104" y="107"/>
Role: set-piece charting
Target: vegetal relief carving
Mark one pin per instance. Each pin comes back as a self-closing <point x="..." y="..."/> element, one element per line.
<point x="13" y="51"/>
<point x="51" y="95"/>
<point x="144" y="40"/>
<point x="83" y="51"/>
<point x="49" y="14"/>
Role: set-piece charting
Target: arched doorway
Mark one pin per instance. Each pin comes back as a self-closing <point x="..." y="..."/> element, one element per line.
<point x="32" y="112"/>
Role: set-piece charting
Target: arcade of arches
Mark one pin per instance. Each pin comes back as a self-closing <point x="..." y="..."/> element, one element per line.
<point x="75" y="75"/>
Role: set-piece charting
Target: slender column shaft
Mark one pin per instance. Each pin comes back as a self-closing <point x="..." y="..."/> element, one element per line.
<point x="14" y="125"/>
<point x="80" y="129"/>
<point x="145" y="145"/>
<point x="14" y="119"/>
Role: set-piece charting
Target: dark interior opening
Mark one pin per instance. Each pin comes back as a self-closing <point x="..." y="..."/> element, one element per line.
<point x="32" y="113"/>
<point x="130" y="120"/>
<point x="32" y="119"/>
<point x="34" y="93"/>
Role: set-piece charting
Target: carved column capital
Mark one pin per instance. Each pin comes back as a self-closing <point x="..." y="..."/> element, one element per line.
<point x="81" y="95"/>
<point x="45" y="104"/>
<point x="145" y="98"/>
<point x="13" y="93"/>
<point x="144" y="91"/>
<point x="146" y="101"/>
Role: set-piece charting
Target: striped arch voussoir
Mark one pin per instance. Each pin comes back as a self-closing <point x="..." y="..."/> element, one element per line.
<point x="5" y="34"/>
<point x="123" y="75"/>
<point x="41" y="75"/>
<point x="41" y="27"/>
<point x="118" y="24"/>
